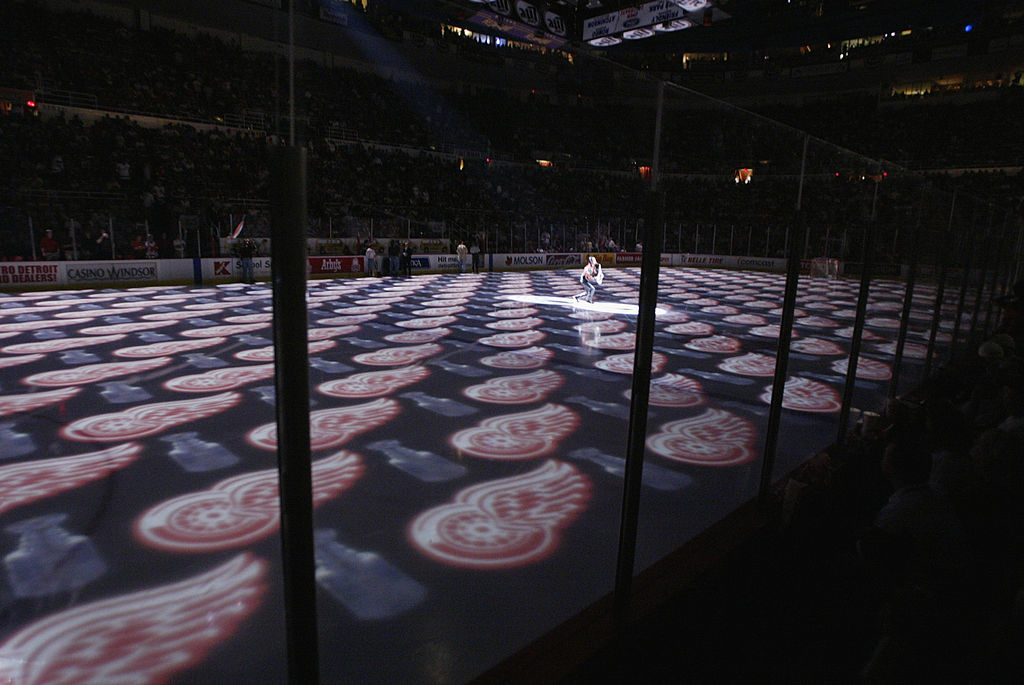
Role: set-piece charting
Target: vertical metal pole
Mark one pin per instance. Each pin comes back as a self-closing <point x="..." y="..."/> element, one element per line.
<point x="782" y="350"/>
<point x="696" y="240"/>
<point x="962" y="298"/>
<point x="32" y="239"/>
<point x="1003" y="269"/>
<point x="732" y="236"/>
<point x="291" y="75"/>
<point x="74" y="241"/>
<point x="982" y="280"/>
<point x="714" y="238"/>
<point x="908" y="297"/>
<point x="767" y="240"/>
<point x="643" y="354"/>
<point x="781" y="372"/>
<point x="291" y="366"/>
<point x="858" y="324"/>
<point x="110" y="230"/>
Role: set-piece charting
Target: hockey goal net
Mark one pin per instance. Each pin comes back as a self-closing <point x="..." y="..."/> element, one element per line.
<point x="826" y="267"/>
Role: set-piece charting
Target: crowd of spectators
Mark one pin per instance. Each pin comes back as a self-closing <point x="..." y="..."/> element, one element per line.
<point x="914" y="526"/>
<point x="430" y="158"/>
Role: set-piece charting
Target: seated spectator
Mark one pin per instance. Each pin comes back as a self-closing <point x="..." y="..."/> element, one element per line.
<point x="138" y="247"/>
<point x="1012" y="321"/>
<point x="49" y="248"/>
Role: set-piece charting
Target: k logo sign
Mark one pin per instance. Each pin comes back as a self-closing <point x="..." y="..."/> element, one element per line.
<point x="221" y="268"/>
<point x="555" y="23"/>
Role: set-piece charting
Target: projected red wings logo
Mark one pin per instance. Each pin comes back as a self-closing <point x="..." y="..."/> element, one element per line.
<point x="237" y="511"/>
<point x="439" y="311"/>
<point x="504" y="523"/>
<point x="867" y="369"/>
<point x="418" y="337"/>
<point x="616" y="341"/>
<point x="512" y="313"/>
<point x="350" y="320"/>
<point x="319" y="334"/>
<point x="218" y="380"/>
<point x="249" y="318"/>
<point x="16" y="404"/>
<point x="910" y="350"/>
<point x="58" y="344"/>
<point x="847" y="333"/>
<point x="721" y="344"/>
<point x="803" y="394"/>
<point x="361" y="309"/>
<point x="750" y="364"/>
<point x="224" y="331"/>
<point x="333" y="427"/>
<point x="92" y="373"/>
<point x="882" y="322"/>
<point x="398" y="356"/>
<point x="177" y="316"/>
<point x="143" y="638"/>
<point x="147" y="419"/>
<point x="817" y="322"/>
<point x="721" y="309"/>
<point x="599" y="326"/>
<point x="266" y="354"/>
<point x="673" y="316"/>
<point x="96" y="313"/>
<point x="34" y="480"/>
<point x="623" y="363"/>
<point x="22" y="326"/>
<point x="427" y="322"/>
<point x="531" y="387"/>
<point x="373" y="383"/>
<point x="714" y="438"/>
<point x="19" y="360"/>
<point x="118" y="328"/>
<point x="674" y="390"/>
<point x="169" y="347"/>
<point x="516" y="339"/>
<point x="816" y="346"/>
<point x="530" y="358"/>
<point x="514" y="324"/>
<point x="746" y="319"/>
<point x="691" y="328"/>
<point x="526" y="435"/>
<point x="771" y="331"/>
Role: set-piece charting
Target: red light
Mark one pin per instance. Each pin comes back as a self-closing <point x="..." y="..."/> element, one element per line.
<point x="31" y="103"/>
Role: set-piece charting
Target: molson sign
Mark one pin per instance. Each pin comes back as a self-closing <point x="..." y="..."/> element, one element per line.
<point x="111" y="272"/>
<point x="525" y="260"/>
